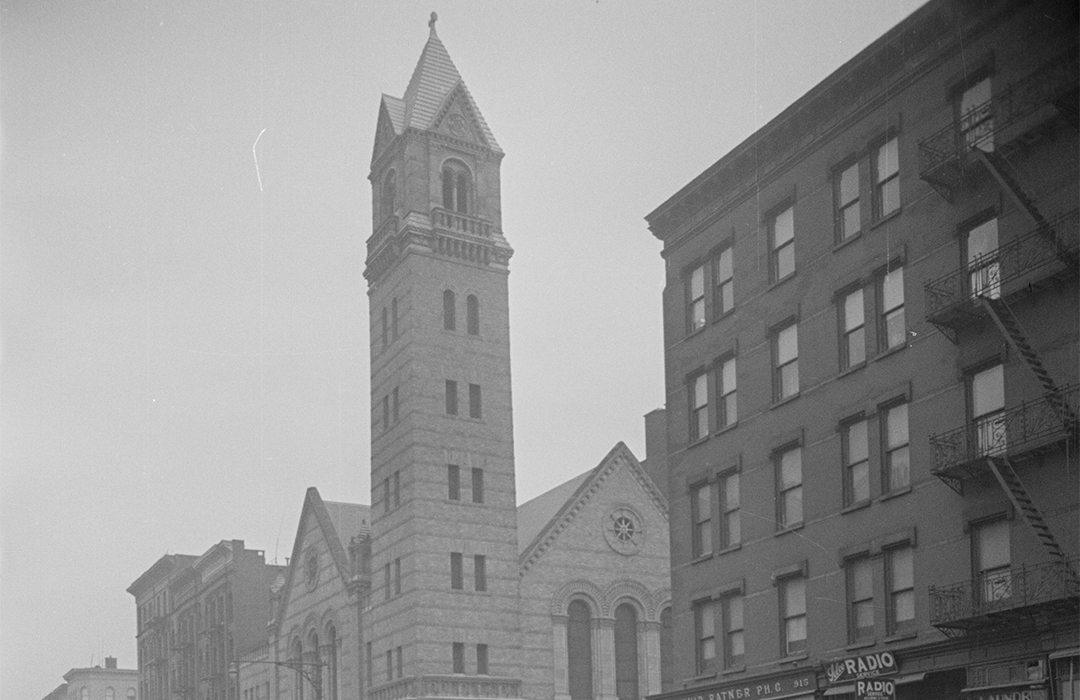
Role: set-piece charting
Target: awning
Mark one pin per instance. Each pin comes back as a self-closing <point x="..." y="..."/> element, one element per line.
<point x="1019" y="686"/>
<point x="849" y="688"/>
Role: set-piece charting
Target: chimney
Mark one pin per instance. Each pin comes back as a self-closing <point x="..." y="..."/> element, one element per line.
<point x="655" y="461"/>
<point x="110" y="662"/>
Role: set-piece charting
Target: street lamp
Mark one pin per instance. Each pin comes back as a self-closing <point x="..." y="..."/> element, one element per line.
<point x="312" y="674"/>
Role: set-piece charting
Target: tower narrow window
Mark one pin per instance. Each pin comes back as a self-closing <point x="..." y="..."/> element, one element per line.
<point x="389" y="195"/>
<point x="449" y="315"/>
<point x="626" y="653"/>
<point x="482" y="659"/>
<point x="455" y="188"/>
<point x="579" y="650"/>
<point x="472" y="314"/>
<point x="480" y="572"/>
<point x="474" y="401"/>
<point x="451" y="397"/>
<point x="453" y="482"/>
<point x="477" y="485"/>
<point x="456" y="577"/>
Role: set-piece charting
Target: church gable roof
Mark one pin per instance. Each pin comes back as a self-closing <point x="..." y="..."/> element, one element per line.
<point x="565" y="501"/>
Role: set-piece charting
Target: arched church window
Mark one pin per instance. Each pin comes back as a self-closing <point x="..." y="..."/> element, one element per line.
<point x="472" y="314"/>
<point x="296" y="656"/>
<point x="455" y="188"/>
<point x="389" y="194"/>
<point x="579" y="650"/>
<point x="449" y="313"/>
<point x="626" y="652"/>
<point x="667" y="664"/>
<point x="331" y="663"/>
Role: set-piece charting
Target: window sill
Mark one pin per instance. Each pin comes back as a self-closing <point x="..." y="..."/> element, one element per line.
<point x="852" y="369"/>
<point x="741" y="668"/>
<point x="721" y="317"/>
<point x="888" y="217"/>
<point x="894" y="494"/>
<point x="700" y="558"/>
<point x="860" y="644"/>
<point x="855" y="506"/>
<point x="707" y="676"/>
<point x="848" y="241"/>
<point x="728" y="428"/>
<point x="790" y="528"/>
<point x="779" y="282"/>
<point x="699" y="441"/>
<point x="696" y="331"/>
<point x="893" y="350"/>
<point x="793" y="658"/>
<point x="733" y="548"/>
<point x="901" y="636"/>
<point x="780" y="402"/>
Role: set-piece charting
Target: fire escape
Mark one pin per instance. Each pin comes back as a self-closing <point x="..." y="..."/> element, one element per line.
<point x="984" y="142"/>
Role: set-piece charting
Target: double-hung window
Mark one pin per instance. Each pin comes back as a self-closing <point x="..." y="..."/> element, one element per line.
<point x="900" y="585"/>
<point x="893" y="329"/>
<point x="730" y="521"/>
<point x="723" y="283"/>
<point x="453" y="482"/>
<point x="887" y="178"/>
<point x="699" y="406"/>
<point x="477" y="485"/>
<point x="728" y="404"/>
<point x="897" y="462"/>
<point x="856" y="456"/>
<point x="860" y="595"/>
<point x="853" y="324"/>
<point x="990" y="541"/>
<point x="848" y="214"/>
<point x="695" y="299"/>
<point x="976" y="117"/>
<point x="457" y="578"/>
<point x="984" y="270"/>
<point x="786" y="362"/>
<point x="475" y="409"/>
<point x="988" y="410"/>
<point x="480" y="572"/>
<point x="789" y="496"/>
<point x="734" y="642"/>
<point x="701" y="514"/>
<point x="782" y="243"/>
<point x="451" y="398"/>
<point x="793" y="615"/>
<point x="458" y="652"/>
<point x="705" y="635"/>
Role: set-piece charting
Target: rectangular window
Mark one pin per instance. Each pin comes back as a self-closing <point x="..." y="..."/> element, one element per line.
<point x="456" y="576"/>
<point x="977" y="116"/>
<point x="853" y="325"/>
<point x="699" y="406"/>
<point x="887" y="178"/>
<point x="451" y="397"/>
<point x="385" y="329"/>
<point x="397" y="576"/>
<point x="477" y="485"/>
<point x="701" y="512"/>
<point x="900" y="584"/>
<point x="705" y="635"/>
<point x="397" y="488"/>
<point x="860" y="593"/>
<point x="474" y="401"/>
<point x="386" y="581"/>
<point x="789" y="502"/>
<point x="453" y="482"/>
<point x="400" y="665"/>
<point x="897" y="462"/>
<point x="729" y="404"/>
<point x="984" y="270"/>
<point x="723" y="283"/>
<point x="856" y="456"/>
<point x="893" y="329"/>
<point x="695" y="299"/>
<point x="730" y="521"/>
<point x="782" y="237"/>
<point x="396" y="402"/>
<point x="793" y="615"/>
<point x="386" y="494"/>
<point x="389" y="665"/>
<point x="786" y="366"/>
<point x="480" y="572"/>
<point x="482" y="659"/>
<point x="993" y="560"/>
<point x="848" y="214"/>
<point x="394" y="317"/>
<point x="386" y="413"/>
<point x="734" y="643"/>
<point x="459" y="657"/>
<point x="988" y="410"/>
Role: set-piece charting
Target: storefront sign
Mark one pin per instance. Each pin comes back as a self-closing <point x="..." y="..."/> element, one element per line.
<point x="881" y="663"/>
<point x="751" y="689"/>
<point x="875" y="689"/>
<point x="1010" y="694"/>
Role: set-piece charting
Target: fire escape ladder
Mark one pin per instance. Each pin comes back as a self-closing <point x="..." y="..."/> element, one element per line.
<point x="996" y="165"/>
<point x="1018" y="495"/>
<point x="1010" y="328"/>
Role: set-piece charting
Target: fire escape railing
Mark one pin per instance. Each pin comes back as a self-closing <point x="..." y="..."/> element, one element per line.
<point x="962" y="604"/>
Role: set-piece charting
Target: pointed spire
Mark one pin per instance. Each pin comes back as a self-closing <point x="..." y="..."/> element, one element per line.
<point x="432" y="21"/>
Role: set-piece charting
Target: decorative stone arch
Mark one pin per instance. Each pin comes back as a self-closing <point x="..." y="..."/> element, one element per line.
<point x="661" y="599"/>
<point x="579" y="589"/>
<point x="633" y="591"/>
<point x="457" y="186"/>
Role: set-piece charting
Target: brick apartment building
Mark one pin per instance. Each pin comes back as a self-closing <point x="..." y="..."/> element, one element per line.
<point x="195" y="615"/>
<point x="871" y="332"/>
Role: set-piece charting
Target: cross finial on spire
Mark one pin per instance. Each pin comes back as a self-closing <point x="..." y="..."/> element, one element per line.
<point x="431" y="22"/>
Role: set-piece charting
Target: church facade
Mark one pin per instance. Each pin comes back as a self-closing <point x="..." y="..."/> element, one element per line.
<point x="444" y="587"/>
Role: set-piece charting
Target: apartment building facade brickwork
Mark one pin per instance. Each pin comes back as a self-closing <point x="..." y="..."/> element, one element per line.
<point x="871" y="356"/>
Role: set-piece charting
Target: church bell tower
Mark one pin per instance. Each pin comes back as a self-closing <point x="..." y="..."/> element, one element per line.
<point x="444" y="599"/>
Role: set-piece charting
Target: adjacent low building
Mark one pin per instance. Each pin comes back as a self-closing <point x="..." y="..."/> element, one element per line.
<point x="97" y="683"/>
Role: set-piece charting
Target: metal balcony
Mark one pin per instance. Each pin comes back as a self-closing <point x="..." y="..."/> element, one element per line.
<point x="1027" y="427"/>
<point x="1015" y="112"/>
<point x="1025" y="263"/>
<point x="1006" y="599"/>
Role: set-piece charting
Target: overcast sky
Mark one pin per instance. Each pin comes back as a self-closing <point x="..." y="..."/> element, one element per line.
<point x="184" y="337"/>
